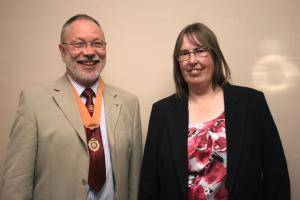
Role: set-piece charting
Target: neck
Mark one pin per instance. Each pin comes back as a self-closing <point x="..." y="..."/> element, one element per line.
<point x="84" y="83"/>
<point x="196" y="94"/>
<point x="87" y="83"/>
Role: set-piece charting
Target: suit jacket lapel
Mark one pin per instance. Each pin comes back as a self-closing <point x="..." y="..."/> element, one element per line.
<point x="235" y="121"/>
<point x="65" y="100"/>
<point x="112" y="105"/>
<point x="178" y="123"/>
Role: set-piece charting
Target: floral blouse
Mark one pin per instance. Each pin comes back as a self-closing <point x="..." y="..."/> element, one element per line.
<point x="207" y="155"/>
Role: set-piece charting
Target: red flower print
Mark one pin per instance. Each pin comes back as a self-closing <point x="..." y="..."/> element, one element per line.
<point x="218" y="126"/>
<point x="207" y="147"/>
<point x="221" y="195"/>
<point x="196" y="192"/>
<point x="215" y="173"/>
<point x="220" y="144"/>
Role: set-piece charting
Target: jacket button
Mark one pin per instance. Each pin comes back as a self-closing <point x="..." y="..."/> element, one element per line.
<point x="83" y="182"/>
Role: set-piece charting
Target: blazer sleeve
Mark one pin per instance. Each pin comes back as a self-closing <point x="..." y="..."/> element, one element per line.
<point x="149" y="184"/>
<point x="275" y="177"/>
<point x="136" y="154"/>
<point x="18" y="169"/>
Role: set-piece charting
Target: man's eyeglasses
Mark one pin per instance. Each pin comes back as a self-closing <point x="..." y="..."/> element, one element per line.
<point x="82" y="45"/>
<point x="199" y="53"/>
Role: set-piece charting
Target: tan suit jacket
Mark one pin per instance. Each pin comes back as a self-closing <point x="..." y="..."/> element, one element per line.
<point x="48" y="156"/>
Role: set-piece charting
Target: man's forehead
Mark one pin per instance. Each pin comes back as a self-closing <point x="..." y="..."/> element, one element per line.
<point x="82" y="23"/>
<point x="84" y="26"/>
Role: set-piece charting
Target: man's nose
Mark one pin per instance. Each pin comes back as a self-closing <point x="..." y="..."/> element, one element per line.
<point x="89" y="56"/>
<point x="89" y="50"/>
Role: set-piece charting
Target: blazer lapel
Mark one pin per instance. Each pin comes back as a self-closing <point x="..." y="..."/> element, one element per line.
<point x="64" y="98"/>
<point x="178" y="123"/>
<point x="112" y="105"/>
<point x="235" y="121"/>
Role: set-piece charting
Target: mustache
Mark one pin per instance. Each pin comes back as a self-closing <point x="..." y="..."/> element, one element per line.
<point x="89" y="59"/>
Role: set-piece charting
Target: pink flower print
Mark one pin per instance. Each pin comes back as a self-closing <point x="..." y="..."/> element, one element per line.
<point x="207" y="159"/>
<point x="222" y="194"/>
<point x="199" y="160"/>
<point x="199" y="140"/>
<point x="215" y="173"/>
<point x="196" y="193"/>
<point x="192" y="131"/>
<point x="220" y="144"/>
<point x="218" y="126"/>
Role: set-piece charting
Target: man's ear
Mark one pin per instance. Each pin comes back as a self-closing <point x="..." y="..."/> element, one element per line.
<point x="62" y="52"/>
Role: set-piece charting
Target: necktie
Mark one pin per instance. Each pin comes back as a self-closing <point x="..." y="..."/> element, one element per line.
<point x="97" y="172"/>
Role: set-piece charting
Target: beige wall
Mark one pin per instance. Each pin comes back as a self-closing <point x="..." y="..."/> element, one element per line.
<point x="260" y="40"/>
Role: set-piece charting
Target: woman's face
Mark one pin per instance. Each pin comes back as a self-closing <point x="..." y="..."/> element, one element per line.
<point x="197" y="68"/>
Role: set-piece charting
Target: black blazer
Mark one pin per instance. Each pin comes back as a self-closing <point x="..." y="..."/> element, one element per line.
<point x="256" y="165"/>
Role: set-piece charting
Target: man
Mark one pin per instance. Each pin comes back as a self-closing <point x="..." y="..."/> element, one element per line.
<point x="76" y="138"/>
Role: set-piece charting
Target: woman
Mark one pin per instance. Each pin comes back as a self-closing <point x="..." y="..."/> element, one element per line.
<point x="211" y="140"/>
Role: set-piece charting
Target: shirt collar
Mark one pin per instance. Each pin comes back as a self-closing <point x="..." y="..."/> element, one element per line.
<point x="79" y="88"/>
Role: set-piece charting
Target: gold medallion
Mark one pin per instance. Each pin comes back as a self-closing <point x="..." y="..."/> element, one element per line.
<point x="92" y="126"/>
<point x="93" y="144"/>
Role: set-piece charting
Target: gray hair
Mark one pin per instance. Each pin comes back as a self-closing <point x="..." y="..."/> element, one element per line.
<point x="75" y="18"/>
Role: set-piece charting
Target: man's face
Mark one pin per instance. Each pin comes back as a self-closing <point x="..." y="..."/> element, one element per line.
<point x="84" y="51"/>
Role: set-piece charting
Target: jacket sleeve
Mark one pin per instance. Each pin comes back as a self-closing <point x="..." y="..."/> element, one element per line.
<point x="275" y="177"/>
<point x="18" y="168"/>
<point x="149" y="184"/>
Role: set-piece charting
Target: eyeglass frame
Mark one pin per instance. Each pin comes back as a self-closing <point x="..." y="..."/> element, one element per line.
<point x="82" y="44"/>
<point x="205" y="50"/>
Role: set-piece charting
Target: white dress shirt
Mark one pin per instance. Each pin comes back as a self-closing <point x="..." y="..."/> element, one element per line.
<point x="107" y="190"/>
